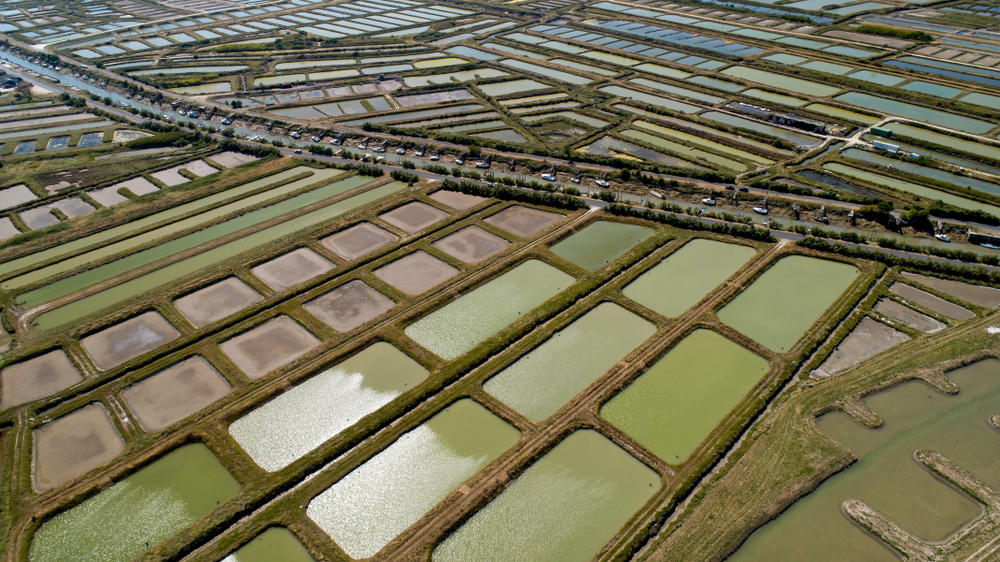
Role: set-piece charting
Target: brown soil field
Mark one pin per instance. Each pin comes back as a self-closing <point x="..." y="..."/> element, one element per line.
<point x="357" y="241"/>
<point x="472" y="244"/>
<point x="523" y="221"/>
<point x="931" y="302"/>
<point x="868" y="339"/>
<point x="269" y="346"/>
<point x="175" y="393"/>
<point x="413" y="217"/>
<point x="74" y="444"/>
<point x="416" y="273"/>
<point x="36" y="378"/>
<point x="349" y="306"/>
<point x="119" y="343"/>
<point x="986" y="297"/>
<point x="908" y="317"/>
<point x="216" y="301"/>
<point x="457" y="200"/>
<point x="288" y="270"/>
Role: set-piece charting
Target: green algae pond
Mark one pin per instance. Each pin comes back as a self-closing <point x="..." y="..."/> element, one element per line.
<point x="125" y="520"/>
<point x="566" y="506"/>
<point x="686" y="276"/>
<point x="674" y="405"/>
<point x="600" y="243"/>
<point x="460" y="325"/>
<point x="304" y="417"/>
<point x="273" y="545"/>
<point x="787" y="299"/>
<point x="380" y="499"/>
<point x="540" y="382"/>
<point x="888" y="478"/>
<point x="167" y="274"/>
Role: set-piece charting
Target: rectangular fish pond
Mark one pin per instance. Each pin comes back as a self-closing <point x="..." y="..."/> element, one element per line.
<point x="125" y="520"/>
<point x="377" y="501"/>
<point x="674" y="405"/>
<point x="540" y="382"/>
<point x="566" y="506"/>
<point x="684" y="277"/>
<point x="787" y="299"/>
<point x="302" y="418"/>
<point x="457" y="327"/>
<point x="600" y="243"/>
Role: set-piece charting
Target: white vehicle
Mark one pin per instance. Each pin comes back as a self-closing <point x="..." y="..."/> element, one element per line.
<point x="708" y="201"/>
<point x="460" y="160"/>
<point x="435" y="157"/>
<point x="316" y="138"/>
<point x="400" y="151"/>
<point x="659" y="195"/>
<point x="760" y="210"/>
<point x="601" y="182"/>
<point x="942" y="237"/>
<point x="550" y="175"/>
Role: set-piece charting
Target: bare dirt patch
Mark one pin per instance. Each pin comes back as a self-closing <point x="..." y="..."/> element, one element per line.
<point x="457" y="200"/>
<point x="359" y="240"/>
<point x="119" y="343"/>
<point x="39" y="217"/>
<point x="986" y="297"/>
<point x="413" y="217"/>
<point x="140" y="185"/>
<point x="288" y="270"/>
<point x="523" y="221"/>
<point x="274" y="343"/>
<point x="216" y="301"/>
<point x="73" y="207"/>
<point x="7" y="229"/>
<point x="908" y="317"/>
<point x="74" y="444"/>
<point x="171" y="176"/>
<point x="472" y="244"/>
<point x="349" y="306"/>
<point x="931" y="302"/>
<point x="416" y="273"/>
<point x="107" y="196"/>
<point x="16" y="195"/>
<point x="231" y="159"/>
<point x="868" y="339"/>
<point x="175" y="393"/>
<point x="36" y="378"/>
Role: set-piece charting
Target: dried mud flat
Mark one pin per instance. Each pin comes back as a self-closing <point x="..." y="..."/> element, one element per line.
<point x="868" y="339"/>
<point x="357" y="241"/>
<point x="216" y="301"/>
<point x="119" y="343"/>
<point x="986" y="297"/>
<point x="231" y="159"/>
<point x="349" y="306"/>
<point x="274" y="343"/>
<point x="7" y="229"/>
<point x="36" y="378"/>
<point x="472" y="244"/>
<point x="138" y="186"/>
<point x="413" y="217"/>
<point x="74" y="444"/>
<point x="416" y="273"/>
<point x="931" y="302"/>
<point x="456" y="200"/>
<point x="523" y="221"/>
<point x="908" y="317"/>
<point x="175" y="393"/>
<point x="288" y="270"/>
